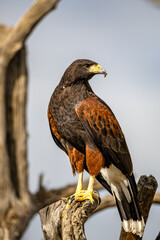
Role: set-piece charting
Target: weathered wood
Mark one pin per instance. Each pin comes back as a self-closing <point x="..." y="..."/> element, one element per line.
<point x="16" y="206"/>
<point x="61" y="224"/>
<point x="156" y="1"/>
<point x="5" y="183"/>
<point x="51" y="217"/>
<point x="15" y="39"/>
<point x="158" y="237"/>
<point x="14" y="195"/>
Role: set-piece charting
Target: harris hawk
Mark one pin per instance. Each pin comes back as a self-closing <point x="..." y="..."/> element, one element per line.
<point x="85" y="128"/>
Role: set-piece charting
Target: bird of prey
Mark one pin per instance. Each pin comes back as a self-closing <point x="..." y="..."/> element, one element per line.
<point x="85" y="128"/>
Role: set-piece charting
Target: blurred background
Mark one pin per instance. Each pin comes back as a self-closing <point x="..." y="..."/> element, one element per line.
<point x="122" y="36"/>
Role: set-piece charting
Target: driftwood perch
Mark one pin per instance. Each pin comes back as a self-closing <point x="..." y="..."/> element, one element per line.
<point x="61" y="224"/>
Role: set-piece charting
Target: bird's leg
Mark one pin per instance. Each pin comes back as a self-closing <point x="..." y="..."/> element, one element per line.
<point x="80" y="182"/>
<point x="79" y="191"/>
<point x="89" y="193"/>
<point x="80" y="194"/>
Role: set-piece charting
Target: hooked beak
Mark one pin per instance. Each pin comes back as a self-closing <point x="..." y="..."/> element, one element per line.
<point x="97" y="69"/>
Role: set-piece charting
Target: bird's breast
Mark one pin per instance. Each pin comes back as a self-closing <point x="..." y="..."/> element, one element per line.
<point x="62" y="107"/>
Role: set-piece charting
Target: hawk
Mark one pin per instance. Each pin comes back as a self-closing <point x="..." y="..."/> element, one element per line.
<point x="84" y="127"/>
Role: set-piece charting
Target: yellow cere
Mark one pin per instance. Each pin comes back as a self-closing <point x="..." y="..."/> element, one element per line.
<point x="95" y="68"/>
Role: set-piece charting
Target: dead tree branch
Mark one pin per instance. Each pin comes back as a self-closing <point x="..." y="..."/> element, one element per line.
<point x="158" y="237"/>
<point x="18" y="34"/>
<point x="156" y="1"/>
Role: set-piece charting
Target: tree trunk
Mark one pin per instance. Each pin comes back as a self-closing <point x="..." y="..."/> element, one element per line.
<point x="16" y="207"/>
<point x="15" y="199"/>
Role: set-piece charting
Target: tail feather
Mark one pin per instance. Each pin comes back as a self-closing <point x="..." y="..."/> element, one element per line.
<point x="132" y="221"/>
<point x="124" y="190"/>
<point x="100" y="179"/>
<point x="129" y="211"/>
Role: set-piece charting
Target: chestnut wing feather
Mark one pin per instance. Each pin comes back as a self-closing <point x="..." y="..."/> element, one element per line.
<point x="102" y="126"/>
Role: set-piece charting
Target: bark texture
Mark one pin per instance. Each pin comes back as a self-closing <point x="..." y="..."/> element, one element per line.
<point x="61" y="224"/>
<point x="16" y="207"/>
<point x="14" y="200"/>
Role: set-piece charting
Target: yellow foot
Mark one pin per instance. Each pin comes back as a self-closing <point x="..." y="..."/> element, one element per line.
<point x="81" y="196"/>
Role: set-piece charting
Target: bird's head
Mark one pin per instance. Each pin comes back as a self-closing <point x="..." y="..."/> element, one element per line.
<point x="81" y="70"/>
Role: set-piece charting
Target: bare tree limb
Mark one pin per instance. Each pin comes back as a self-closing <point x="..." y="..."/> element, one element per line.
<point x="156" y="198"/>
<point x="156" y="1"/>
<point x="17" y="36"/>
<point x="106" y="202"/>
<point x="158" y="237"/>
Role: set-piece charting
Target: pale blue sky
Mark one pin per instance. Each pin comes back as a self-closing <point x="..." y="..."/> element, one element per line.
<point x="124" y="37"/>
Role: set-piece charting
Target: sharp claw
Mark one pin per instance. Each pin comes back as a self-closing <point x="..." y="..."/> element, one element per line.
<point x="68" y="198"/>
<point x="72" y="198"/>
<point x="96" y="192"/>
<point x="69" y="201"/>
<point x="99" y="199"/>
<point x="82" y="196"/>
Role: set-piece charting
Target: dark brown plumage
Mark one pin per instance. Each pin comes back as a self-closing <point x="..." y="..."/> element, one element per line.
<point x="85" y="128"/>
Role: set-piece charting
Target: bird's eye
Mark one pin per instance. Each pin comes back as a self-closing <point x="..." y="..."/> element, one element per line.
<point x="87" y="66"/>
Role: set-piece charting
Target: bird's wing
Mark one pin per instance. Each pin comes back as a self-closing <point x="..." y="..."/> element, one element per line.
<point x="104" y="130"/>
<point x="55" y="134"/>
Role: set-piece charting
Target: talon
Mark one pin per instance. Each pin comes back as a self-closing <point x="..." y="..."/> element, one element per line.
<point x="81" y="195"/>
<point x="91" y="196"/>
<point x="97" y="193"/>
<point x="70" y="199"/>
